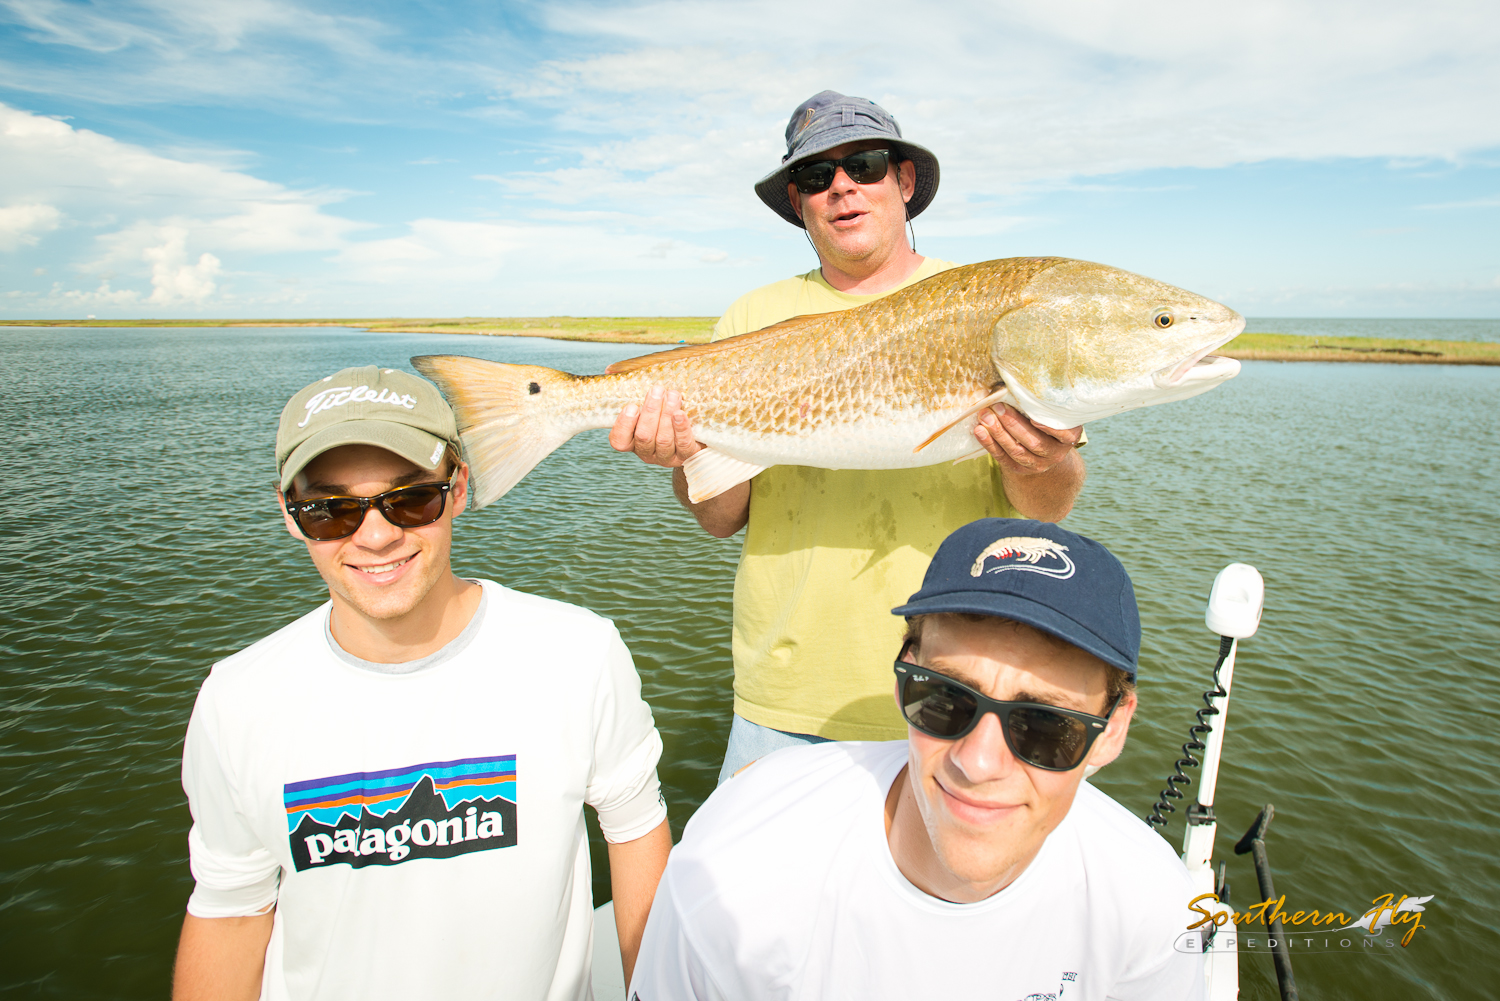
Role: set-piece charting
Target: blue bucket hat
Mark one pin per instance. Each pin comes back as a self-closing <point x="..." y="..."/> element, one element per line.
<point x="1065" y="585"/>
<point x="831" y="119"/>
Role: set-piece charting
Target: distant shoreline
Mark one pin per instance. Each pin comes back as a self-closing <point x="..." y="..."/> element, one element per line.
<point x="1251" y="346"/>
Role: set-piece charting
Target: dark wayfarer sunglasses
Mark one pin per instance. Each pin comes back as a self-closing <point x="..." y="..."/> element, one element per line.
<point x="1043" y="736"/>
<point x="865" y="167"/>
<point x="324" y="519"/>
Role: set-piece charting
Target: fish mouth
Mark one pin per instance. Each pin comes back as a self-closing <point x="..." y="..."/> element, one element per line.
<point x="1202" y="365"/>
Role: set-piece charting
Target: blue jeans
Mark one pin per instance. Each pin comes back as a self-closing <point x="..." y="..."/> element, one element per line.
<point x="748" y="741"/>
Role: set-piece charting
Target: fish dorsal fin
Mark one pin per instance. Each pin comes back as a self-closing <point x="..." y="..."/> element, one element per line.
<point x="772" y="332"/>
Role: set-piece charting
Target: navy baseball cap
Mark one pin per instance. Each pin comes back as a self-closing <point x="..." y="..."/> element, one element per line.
<point x="1034" y="572"/>
<point x="829" y="119"/>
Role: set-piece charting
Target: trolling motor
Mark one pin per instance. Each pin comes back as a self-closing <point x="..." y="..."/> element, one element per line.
<point x="1234" y="610"/>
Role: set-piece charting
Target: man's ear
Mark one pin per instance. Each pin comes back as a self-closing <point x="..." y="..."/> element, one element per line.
<point x="1110" y="743"/>
<point x="906" y="179"/>
<point x="793" y="193"/>
<point x="460" y="491"/>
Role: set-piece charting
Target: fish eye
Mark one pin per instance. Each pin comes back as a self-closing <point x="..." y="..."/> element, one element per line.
<point x="1163" y="319"/>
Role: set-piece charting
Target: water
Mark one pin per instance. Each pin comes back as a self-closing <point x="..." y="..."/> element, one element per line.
<point x="1435" y="330"/>
<point x="144" y="544"/>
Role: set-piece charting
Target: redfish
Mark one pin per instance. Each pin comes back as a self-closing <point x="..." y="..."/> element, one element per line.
<point x="897" y="382"/>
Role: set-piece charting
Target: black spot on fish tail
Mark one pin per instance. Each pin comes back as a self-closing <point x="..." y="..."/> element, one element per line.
<point x="533" y="389"/>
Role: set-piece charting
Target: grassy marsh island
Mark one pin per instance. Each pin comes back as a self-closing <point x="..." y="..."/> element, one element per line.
<point x="606" y="329"/>
<point x="696" y="330"/>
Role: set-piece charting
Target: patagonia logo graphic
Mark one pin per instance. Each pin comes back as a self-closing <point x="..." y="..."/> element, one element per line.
<point x="1021" y="552"/>
<point x="339" y="396"/>
<point x="436" y="810"/>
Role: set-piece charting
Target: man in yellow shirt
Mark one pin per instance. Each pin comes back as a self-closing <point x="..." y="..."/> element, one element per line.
<point x="827" y="551"/>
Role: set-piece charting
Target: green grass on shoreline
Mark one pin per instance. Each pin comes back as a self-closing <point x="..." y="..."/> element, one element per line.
<point x="696" y="330"/>
<point x="1292" y="347"/>
<point x="612" y="329"/>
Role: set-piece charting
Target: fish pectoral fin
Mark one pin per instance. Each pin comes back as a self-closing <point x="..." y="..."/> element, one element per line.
<point x="988" y="401"/>
<point x="710" y="473"/>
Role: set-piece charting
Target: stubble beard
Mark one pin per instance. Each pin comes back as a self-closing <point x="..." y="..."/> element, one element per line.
<point x="388" y="604"/>
<point x="968" y="856"/>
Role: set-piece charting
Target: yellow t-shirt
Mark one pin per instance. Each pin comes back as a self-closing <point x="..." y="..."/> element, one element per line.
<point x="828" y="553"/>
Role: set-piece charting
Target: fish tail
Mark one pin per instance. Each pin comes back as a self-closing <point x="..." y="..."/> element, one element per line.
<point x="505" y="417"/>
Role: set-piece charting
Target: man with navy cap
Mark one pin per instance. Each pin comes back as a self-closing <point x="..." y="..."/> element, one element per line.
<point x="825" y="550"/>
<point x="970" y="859"/>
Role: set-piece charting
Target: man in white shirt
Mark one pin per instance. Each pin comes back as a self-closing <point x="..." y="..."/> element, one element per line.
<point x="387" y="793"/>
<point x="969" y="860"/>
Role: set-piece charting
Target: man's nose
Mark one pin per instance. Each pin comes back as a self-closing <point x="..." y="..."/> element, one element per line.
<point x="375" y="532"/>
<point x="982" y="754"/>
<point x="842" y="181"/>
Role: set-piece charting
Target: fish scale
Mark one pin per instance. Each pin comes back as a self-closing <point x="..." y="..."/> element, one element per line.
<point x="898" y="382"/>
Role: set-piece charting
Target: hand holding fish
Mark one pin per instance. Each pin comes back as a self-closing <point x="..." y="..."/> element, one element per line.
<point x="658" y="430"/>
<point x="1019" y="445"/>
<point x="1039" y="466"/>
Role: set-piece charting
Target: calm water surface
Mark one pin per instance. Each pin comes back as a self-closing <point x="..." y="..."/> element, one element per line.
<point x="144" y="544"/>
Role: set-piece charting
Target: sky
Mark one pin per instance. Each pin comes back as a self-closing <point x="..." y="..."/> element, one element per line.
<point x="261" y="158"/>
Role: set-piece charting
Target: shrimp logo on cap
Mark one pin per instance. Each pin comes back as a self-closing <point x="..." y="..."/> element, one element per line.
<point x="1023" y="552"/>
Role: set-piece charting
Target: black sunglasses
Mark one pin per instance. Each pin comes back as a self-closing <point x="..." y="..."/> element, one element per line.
<point x="1043" y="736"/>
<point x="324" y="519"/>
<point x="865" y="167"/>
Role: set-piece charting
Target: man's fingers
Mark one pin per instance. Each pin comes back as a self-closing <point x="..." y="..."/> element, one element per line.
<point x="682" y="431"/>
<point x="1044" y="441"/>
<point x="645" y="428"/>
<point x="996" y="439"/>
<point x="657" y="431"/>
<point x="622" y="435"/>
<point x="1022" y="431"/>
<point x="666" y="441"/>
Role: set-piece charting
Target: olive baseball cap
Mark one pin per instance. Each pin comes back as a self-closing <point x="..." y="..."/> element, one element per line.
<point x="830" y="119"/>
<point x="369" y="405"/>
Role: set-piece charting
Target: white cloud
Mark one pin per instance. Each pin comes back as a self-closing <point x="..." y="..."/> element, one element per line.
<point x="1012" y="94"/>
<point x="645" y="125"/>
<point x="173" y="280"/>
<point x="465" y="254"/>
<point x="238" y="49"/>
<point x="1396" y="298"/>
<point x="21" y="225"/>
<point x="193" y="232"/>
<point x="147" y="217"/>
<point x="1492" y="202"/>
<point x="260" y="53"/>
<point x="97" y="177"/>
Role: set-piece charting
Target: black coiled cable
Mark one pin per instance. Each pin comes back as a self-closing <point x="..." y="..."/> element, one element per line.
<point x="1202" y="728"/>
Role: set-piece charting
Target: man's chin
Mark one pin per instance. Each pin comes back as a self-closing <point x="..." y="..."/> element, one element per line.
<point x="851" y="245"/>
<point x="385" y="604"/>
<point x="980" y="866"/>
